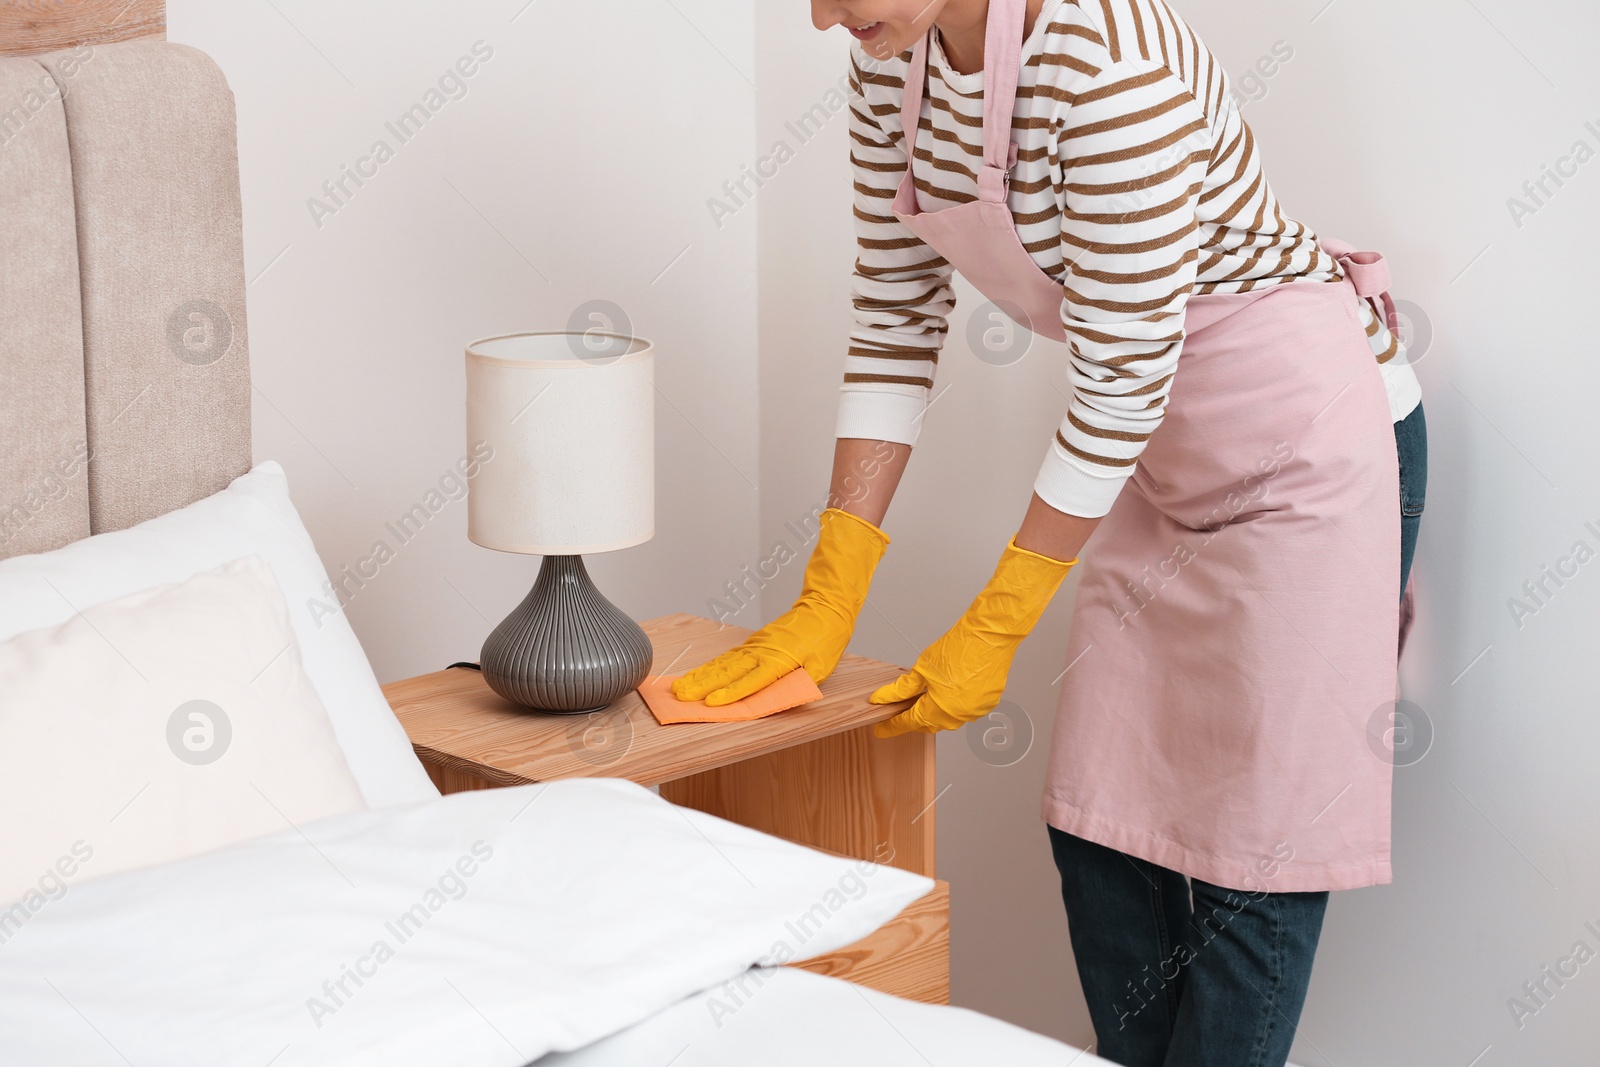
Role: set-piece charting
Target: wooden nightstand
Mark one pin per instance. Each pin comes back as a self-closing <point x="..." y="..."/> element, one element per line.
<point x="815" y="775"/>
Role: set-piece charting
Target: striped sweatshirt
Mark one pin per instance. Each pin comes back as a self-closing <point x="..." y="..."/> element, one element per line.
<point x="1137" y="183"/>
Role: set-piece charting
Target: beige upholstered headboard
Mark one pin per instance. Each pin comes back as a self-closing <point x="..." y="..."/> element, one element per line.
<point x="124" y="368"/>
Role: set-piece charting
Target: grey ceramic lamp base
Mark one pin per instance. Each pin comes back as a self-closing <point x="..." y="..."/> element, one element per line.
<point x="566" y="649"/>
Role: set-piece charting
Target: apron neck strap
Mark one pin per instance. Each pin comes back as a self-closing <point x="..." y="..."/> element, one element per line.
<point x="1002" y="66"/>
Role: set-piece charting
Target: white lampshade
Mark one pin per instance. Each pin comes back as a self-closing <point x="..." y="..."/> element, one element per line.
<point x="570" y="420"/>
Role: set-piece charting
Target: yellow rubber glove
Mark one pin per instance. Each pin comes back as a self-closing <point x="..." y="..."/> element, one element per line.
<point x="962" y="676"/>
<point x="811" y="634"/>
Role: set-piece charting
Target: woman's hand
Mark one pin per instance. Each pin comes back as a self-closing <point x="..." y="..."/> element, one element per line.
<point x="962" y="676"/>
<point x="814" y="632"/>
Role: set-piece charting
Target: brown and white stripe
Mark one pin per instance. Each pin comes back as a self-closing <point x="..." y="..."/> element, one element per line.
<point x="1137" y="184"/>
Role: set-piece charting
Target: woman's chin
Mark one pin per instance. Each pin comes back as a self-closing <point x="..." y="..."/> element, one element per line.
<point x="886" y="42"/>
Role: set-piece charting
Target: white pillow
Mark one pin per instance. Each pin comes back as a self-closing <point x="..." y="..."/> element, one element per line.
<point x="157" y="726"/>
<point x="483" y="928"/>
<point x="253" y="516"/>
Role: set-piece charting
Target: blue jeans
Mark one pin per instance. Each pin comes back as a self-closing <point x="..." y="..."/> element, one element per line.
<point x="1178" y="972"/>
<point x="1183" y="973"/>
<point x="1411" y="442"/>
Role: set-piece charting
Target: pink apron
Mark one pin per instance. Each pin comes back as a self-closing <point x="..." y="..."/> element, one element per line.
<point x="1232" y="656"/>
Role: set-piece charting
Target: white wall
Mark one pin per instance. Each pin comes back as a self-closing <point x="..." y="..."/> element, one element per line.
<point x="575" y="167"/>
<point x="592" y="141"/>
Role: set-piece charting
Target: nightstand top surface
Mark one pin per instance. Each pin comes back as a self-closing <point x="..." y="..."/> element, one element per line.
<point x="453" y="718"/>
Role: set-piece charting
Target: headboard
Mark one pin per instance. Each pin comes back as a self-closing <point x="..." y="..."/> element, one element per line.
<point x="28" y="27"/>
<point x="124" y="368"/>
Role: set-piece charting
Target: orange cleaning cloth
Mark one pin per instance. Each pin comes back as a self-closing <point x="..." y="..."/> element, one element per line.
<point x="792" y="690"/>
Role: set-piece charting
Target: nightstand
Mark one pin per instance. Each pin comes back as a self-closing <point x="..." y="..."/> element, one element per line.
<point x="814" y="774"/>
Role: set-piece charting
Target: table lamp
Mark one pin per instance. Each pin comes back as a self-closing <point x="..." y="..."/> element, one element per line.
<point x="570" y="418"/>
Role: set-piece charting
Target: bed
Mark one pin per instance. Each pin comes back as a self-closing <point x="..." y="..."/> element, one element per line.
<point x="216" y="844"/>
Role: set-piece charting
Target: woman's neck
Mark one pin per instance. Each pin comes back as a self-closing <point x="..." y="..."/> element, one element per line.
<point x="961" y="31"/>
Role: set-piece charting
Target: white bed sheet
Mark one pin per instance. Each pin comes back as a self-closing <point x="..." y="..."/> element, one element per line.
<point x="484" y="928"/>
<point x="784" y="1017"/>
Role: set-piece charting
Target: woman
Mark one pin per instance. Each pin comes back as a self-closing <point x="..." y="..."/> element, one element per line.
<point x="1084" y="164"/>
